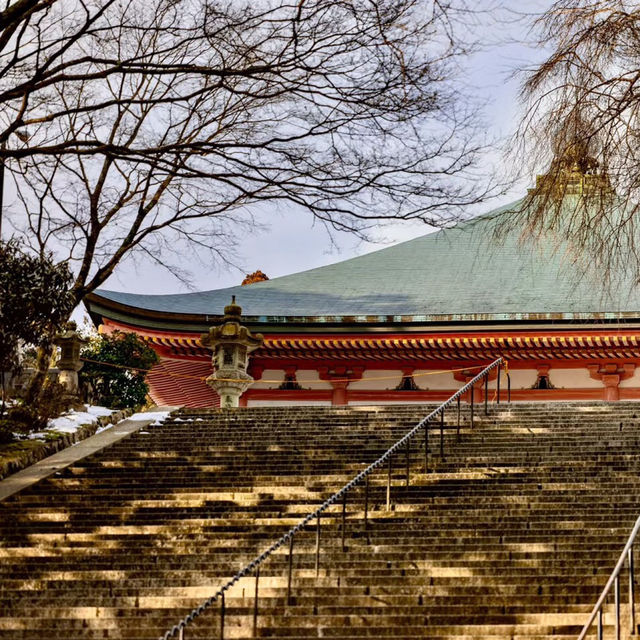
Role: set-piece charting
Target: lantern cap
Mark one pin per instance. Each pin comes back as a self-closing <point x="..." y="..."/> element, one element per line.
<point x="233" y="311"/>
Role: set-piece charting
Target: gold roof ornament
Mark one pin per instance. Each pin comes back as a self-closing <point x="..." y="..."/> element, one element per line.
<point x="574" y="172"/>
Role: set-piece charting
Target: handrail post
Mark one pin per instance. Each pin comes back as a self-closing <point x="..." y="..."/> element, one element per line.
<point x="600" y="625"/>
<point x="407" y="459"/>
<point x="472" y="392"/>
<point x="181" y="633"/>
<point x="616" y="595"/>
<point x="290" y="570"/>
<point x="486" y="394"/>
<point x="389" y="485"/>
<point x="317" y="545"/>
<point x="222" y="612"/>
<point x="508" y="388"/>
<point x="366" y="502"/>
<point x="344" y="519"/>
<point x="498" y="383"/>
<point x="442" y="435"/>
<point x="426" y="447"/>
<point x="255" y="603"/>
<point x="632" y="594"/>
<point x="458" y="422"/>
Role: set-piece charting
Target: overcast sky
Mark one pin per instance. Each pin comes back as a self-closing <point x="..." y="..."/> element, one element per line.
<point x="292" y="242"/>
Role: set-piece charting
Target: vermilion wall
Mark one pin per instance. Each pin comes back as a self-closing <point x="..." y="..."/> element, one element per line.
<point x="366" y="369"/>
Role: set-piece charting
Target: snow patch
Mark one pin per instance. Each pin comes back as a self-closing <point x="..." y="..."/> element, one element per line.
<point x="71" y="421"/>
<point x="99" y="411"/>
<point x="158" y="416"/>
<point x="104" y="428"/>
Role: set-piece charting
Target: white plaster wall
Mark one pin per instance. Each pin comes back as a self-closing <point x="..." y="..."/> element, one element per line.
<point x="269" y="374"/>
<point x="308" y="378"/>
<point x="375" y="380"/>
<point x="520" y="379"/>
<point x="435" y="380"/>
<point x="633" y="381"/>
<point x="288" y="403"/>
<point x="573" y="379"/>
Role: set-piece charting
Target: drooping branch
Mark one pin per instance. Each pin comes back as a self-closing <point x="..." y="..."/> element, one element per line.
<point x="582" y="128"/>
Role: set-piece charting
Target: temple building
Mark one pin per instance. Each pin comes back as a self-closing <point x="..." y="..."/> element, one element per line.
<point x="408" y="323"/>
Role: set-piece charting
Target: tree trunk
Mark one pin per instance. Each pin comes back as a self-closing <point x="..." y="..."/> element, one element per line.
<point x="42" y="367"/>
<point x="4" y="392"/>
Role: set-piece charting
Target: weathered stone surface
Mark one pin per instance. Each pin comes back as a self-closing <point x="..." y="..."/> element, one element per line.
<point x="512" y="535"/>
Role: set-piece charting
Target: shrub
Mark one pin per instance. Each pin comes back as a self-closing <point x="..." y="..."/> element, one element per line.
<point x="115" y="368"/>
<point x="20" y="420"/>
<point x="25" y="419"/>
<point x="6" y="431"/>
<point x="34" y="300"/>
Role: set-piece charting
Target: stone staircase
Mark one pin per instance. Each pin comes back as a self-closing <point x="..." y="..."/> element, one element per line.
<point x="512" y="535"/>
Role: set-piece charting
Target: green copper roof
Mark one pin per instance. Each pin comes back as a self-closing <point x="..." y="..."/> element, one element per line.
<point x="456" y="274"/>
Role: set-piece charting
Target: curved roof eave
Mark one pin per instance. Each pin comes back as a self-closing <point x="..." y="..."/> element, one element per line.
<point x="459" y="275"/>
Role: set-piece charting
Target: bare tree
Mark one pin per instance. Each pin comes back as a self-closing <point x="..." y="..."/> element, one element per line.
<point x="582" y="124"/>
<point x="145" y="124"/>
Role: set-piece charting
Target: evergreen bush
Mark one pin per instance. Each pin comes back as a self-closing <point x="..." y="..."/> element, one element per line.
<point x="115" y="367"/>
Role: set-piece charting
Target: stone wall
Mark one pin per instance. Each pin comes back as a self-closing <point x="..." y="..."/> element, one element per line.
<point x="24" y="458"/>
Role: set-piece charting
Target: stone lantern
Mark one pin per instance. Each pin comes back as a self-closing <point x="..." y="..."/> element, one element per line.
<point x="70" y="342"/>
<point x="231" y="344"/>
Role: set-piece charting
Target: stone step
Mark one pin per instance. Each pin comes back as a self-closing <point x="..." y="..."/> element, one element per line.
<point x="511" y="536"/>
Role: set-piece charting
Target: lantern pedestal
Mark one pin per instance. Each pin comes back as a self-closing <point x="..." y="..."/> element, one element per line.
<point x="231" y="344"/>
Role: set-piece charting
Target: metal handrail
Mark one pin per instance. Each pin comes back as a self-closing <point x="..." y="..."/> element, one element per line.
<point x="614" y="581"/>
<point x="254" y="565"/>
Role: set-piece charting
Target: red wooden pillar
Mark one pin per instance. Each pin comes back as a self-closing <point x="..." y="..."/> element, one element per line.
<point x="340" y="377"/>
<point x="611" y="375"/>
<point x="611" y="390"/>
<point x="339" y="395"/>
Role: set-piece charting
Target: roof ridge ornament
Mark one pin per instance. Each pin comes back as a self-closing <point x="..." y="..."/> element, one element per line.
<point x="573" y="171"/>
